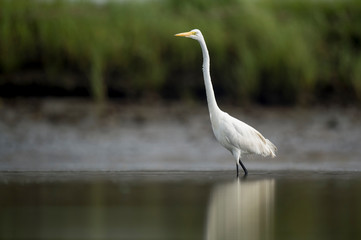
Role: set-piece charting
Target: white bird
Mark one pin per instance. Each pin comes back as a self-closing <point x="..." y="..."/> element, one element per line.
<point x="236" y="136"/>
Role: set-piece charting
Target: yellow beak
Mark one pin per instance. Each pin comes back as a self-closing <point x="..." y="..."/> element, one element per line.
<point x="185" y="34"/>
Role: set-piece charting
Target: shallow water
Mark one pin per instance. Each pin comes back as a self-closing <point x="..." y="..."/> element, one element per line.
<point x="180" y="205"/>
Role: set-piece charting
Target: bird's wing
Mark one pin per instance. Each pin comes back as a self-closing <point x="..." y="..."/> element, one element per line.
<point x="244" y="137"/>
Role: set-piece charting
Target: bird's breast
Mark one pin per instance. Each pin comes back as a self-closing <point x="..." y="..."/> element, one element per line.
<point x="220" y="134"/>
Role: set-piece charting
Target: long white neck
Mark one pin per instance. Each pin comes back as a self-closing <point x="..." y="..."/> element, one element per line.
<point x="211" y="99"/>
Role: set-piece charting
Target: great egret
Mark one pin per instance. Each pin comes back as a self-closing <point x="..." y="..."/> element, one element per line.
<point x="236" y="136"/>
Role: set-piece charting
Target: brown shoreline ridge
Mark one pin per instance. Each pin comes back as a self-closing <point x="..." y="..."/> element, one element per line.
<point x="77" y="135"/>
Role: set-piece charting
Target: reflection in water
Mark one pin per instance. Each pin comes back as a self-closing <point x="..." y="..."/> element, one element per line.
<point x="241" y="209"/>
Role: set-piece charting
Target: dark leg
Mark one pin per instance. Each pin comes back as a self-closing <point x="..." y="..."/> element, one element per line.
<point x="244" y="168"/>
<point x="237" y="170"/>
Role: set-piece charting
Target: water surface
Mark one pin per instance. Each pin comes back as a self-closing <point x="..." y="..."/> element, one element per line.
<point x="180" y="205"/>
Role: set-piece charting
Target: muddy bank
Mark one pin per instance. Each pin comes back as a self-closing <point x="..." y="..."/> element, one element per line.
<point x="58" y="134"/>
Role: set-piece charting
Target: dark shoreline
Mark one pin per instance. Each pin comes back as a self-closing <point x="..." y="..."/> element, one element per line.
<point x="79" y="135"/>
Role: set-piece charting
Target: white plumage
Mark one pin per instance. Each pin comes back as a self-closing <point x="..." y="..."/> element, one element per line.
<point x="236" y="136"/>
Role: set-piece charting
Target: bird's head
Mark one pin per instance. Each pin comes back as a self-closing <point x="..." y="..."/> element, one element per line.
<point x="194" y="34"/>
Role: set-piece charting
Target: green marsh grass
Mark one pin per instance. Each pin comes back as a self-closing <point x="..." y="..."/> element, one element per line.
<point x="271" y="52"/>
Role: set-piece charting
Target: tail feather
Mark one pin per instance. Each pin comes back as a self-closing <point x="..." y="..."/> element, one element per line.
<point x="266" y="147"/>
<point x="272" y="149"/>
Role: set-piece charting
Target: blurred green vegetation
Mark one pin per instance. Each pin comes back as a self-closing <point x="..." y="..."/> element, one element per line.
<point x="268" y="52"/>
